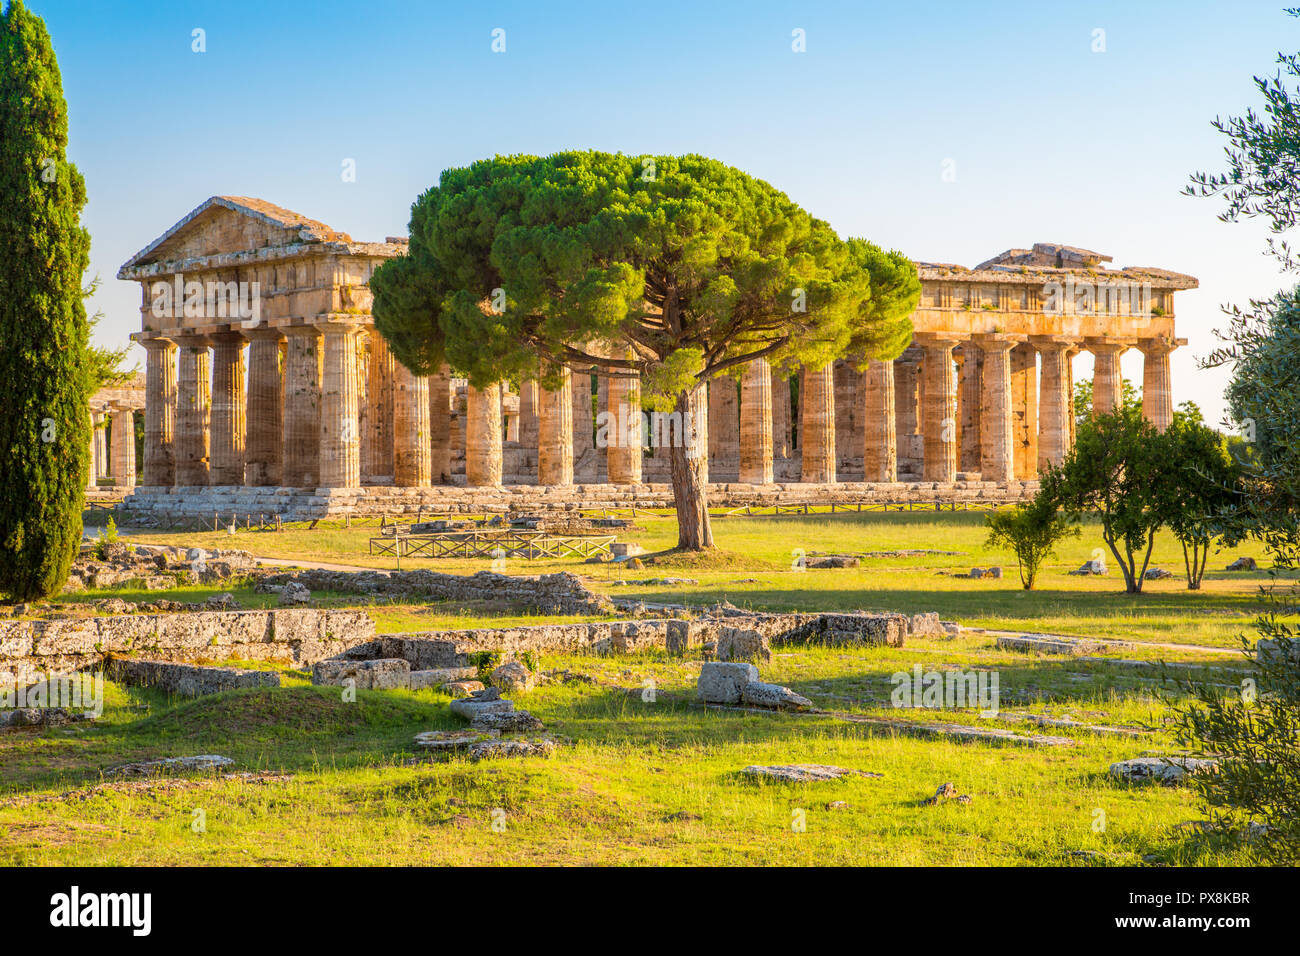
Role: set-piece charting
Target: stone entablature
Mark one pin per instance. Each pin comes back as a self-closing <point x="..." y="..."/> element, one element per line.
<point x="264" y="371"/>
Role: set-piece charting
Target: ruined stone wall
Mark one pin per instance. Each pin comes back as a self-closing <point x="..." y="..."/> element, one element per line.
<point x="561" y="593"/>
<point x="437" y="649"/>
<point x="159" y="506"/>
<point x="30" y="650"/>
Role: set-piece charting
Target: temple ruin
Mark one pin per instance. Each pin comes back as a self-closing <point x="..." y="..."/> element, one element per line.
<point x="268" y="391"/>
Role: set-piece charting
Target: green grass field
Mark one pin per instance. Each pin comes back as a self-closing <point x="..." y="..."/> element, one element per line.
<point x="656" y="780"/>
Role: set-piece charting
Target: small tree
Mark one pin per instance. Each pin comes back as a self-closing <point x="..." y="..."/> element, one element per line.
<point x="679" y="269"/>
<point x="44" y="252"/>
<point x="1114" y="469"/>
<point x="1032" y="532"/>
<point x="1082" y="403"/>
<point x="1197" y="497"/>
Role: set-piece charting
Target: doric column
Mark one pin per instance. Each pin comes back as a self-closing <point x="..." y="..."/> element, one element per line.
<point x="583" y="436"/>
<point x="159" y="412"/>
<point x="192" y="411"/>
<point x="302" y="375"/>
<point x="756" y="424"/>
<point x="1107" y="381"/>
<point x="907" y="406"/>
<point x="818" y="442"/>
<point x="623" y="452"/>
<point x="880" y="440"/>
<point x="848" y="410"/>
<point x="228" y="410"/>
<point x="1024" y="409"/>
<point x="997" y="457"/>
<point x="939" y="414"/>
<point x="1157" y="386"/>
<point x="724" y="423"/>
<point x="101" y="447"/>
<point x="377" y="449"/>
<point x="780" y="415"/>
<point x="1053" y="403"/>
<point x="412" y="451"/>
<point x="92" y="477"/>
<point x="555" y="433"/>
<point x="340" y="433"/>
<point x="483" y="435"/>
<point x="970" y="384"/>
<point x="263" y="455"/>
<point x="123" y="448"/>
<point x="440" y="426"/>
<point x="528" y="414"/>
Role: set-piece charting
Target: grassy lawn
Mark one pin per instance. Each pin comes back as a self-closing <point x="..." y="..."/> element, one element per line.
<point x="642" y="781"/>
<point x="656" y="781"/>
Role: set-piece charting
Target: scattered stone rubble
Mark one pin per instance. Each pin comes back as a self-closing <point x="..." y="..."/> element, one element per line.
<point x="735" y="683"/>
<point x="560" y="593"/>
<point x="150" y="767"/>
<point x="804" y="773"/>
<point x="948" y="792"/>
<point x="1166" y="770"/>
<point x="154" y="567"/>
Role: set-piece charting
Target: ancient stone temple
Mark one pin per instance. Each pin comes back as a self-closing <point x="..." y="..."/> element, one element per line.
<point x="267" y="390"/>
<point x="113" y="411"/>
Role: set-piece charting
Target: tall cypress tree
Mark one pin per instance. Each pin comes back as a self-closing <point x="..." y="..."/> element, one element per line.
<point x="44" y="337"/>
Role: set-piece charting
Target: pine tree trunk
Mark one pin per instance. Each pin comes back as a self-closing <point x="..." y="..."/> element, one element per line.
<point x="689" y="476"/>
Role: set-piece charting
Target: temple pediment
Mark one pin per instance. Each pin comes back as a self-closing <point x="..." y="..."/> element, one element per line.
<point x="226" y="225"/>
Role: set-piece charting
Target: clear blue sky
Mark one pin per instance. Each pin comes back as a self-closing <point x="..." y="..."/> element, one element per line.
<point x="1050" y="140"/>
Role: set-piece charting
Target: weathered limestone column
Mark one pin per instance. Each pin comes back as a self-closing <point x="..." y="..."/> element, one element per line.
<point x="228" y="410"/>
<point x="483" y="435"/>
<point x="1107" y="381"/>
<point x="907" y="405"/>
<point x="1157" y="385"/>
<point x="724" y="423"/>
<point x="555" y="433"/>
<point x="263" y="454"/>
<point x="880" y="440"/>
<point x="512" y="422"/>
<point x="528" y="425"/>
<point x="623" y="454"/>
<point x="756" y="424"/>
<point x="781" y="415"/>
<point x="340" y="432"/>
<point x="377" y="450"/>
<point x="159" y="412"/>
<point x="302" y="396"/>
<point x="101" y="448"/>
<point x="1024" y="409"/>
<point x="440" y="426"/>
<point x="848" y="429"/>
<point x="92" y="477"/>
<point x="412" y="451"/>
<point x="192" y="412"/>
<point x="939" y="415"/>
<point x="123" y="448"/>
<point x="1053" y="403"/>
<point x="583" y="436"/>
<point x="997" y="457"/>
<point x="818" y="442"/>
<point x="970" y="385"/>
